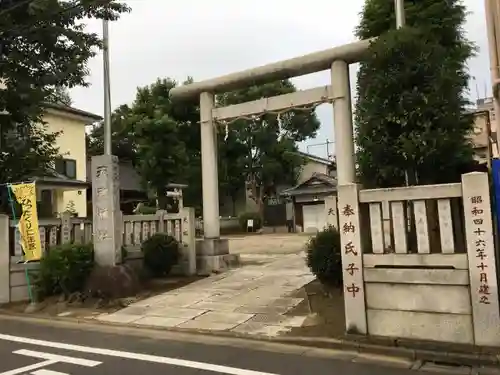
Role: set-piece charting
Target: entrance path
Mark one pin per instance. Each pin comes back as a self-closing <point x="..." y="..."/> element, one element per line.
<point x="270" y="244"/>
<point x="253" y="299"/>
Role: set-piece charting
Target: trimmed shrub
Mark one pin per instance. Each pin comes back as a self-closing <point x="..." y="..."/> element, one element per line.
<point x="324" y="257"/>
<point x="255" y="216"/>
<point x="147" y="210"/>
<point x="161" y="253"/>
<point x="64" y="270"/>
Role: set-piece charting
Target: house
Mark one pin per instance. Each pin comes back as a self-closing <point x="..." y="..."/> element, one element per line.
<point x="275" y="211"/>
<point x="131" y="189"/>
<point x="64" y="188"/>
<point x="484" y="136"/>
<point x="308" y="201"/>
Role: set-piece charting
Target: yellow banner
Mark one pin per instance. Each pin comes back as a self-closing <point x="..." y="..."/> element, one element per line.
<point x="28" y="223"/>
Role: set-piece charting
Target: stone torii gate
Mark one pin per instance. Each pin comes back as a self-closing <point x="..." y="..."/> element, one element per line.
<point x="213" y="251"/>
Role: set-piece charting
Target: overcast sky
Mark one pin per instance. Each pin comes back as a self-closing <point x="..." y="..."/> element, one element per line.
<point x="204" y="39"/>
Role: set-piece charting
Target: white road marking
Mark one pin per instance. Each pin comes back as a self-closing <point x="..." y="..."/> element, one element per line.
<point x="134" y="356"/>
<point x="50" y="359"/>
<point x="25" y="369"/>
<point x="47" y="372"/>
<point x="58" y="358"/>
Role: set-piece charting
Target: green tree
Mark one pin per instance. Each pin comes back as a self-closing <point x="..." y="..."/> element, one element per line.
<point x="262" y="152"/>
<point x="123" y="142"/>
<point x="43" y="47"/>
<point x="230" y="167"/>
<point x="166" y="139"/>
<point x="161" y="138"/>
<point x="412" y="94"/>
<point x="60" y="95"/>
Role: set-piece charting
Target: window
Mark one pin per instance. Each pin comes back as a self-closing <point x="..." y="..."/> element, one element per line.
<point x="66" y="167"/>
<point x="46" y="196"/>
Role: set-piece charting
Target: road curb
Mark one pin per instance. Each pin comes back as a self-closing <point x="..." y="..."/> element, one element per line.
<point x="407" y="352"/>
<point x="449" y="358"/>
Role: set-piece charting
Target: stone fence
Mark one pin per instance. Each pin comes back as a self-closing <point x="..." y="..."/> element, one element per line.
<point x="136" y="229"/>
<point x="419" y="262"/>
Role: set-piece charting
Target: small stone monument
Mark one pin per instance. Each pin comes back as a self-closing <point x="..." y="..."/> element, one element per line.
<point x="107" y="218"/>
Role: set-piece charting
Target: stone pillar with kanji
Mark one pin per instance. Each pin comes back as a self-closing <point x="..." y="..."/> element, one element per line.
<point x="481" y="255"/>
<point x="352" y="259"/>
<point x="107" y="220"/>
<point x="331" y="211"/>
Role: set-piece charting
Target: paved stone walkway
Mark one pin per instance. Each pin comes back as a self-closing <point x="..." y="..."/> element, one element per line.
<point x="252" y="299"/>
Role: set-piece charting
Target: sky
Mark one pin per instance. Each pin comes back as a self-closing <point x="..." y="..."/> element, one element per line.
<point x="205" y="39"/>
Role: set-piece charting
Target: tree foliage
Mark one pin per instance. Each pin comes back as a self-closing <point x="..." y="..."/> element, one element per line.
<point x="262" y="152"/>
<point x="123" y="142"/>
<point x="411" y="95"/>
<point x="161" y="138"/>
<point x="60" y="95"/>
<point x="161" y="154"/>
<point x="43" y="47"/>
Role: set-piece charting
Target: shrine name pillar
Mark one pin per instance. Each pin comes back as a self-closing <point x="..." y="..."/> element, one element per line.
<point x="348" y="202"/>
<point x="107" y="219"/>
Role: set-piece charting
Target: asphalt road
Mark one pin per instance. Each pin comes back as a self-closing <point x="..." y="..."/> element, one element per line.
<point x="53" y="348"/>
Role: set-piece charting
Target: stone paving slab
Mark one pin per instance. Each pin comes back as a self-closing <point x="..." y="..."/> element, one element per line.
<point x="224" y="317"/>
<point x="183" y="313"/>
<point x="119" y="318"/>
<point x="217" y="306"/>
<point x="207" y="326"/>
<point x="254" y="299"/>
<point x="266" y="310"/>
<point x="157" y="321"/>
<point x="261" y="329"/>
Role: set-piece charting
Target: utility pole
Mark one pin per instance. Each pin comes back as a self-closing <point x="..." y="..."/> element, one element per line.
<point x="399" y="9"/>
<point x="107" y="88"/>
<point x="327" y="144"/>
<point x="107" y="217"/>
<point x="399" y="6"/>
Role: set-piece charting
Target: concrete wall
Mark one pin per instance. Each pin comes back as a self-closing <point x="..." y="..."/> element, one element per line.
<point x="136" y="229"/>
<point x="399" y="282"/>
<point x="425" y="304"/>
<point x="19" y="283"/>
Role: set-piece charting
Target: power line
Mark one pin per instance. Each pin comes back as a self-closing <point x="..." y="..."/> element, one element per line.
<point x="327" y="144"/>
